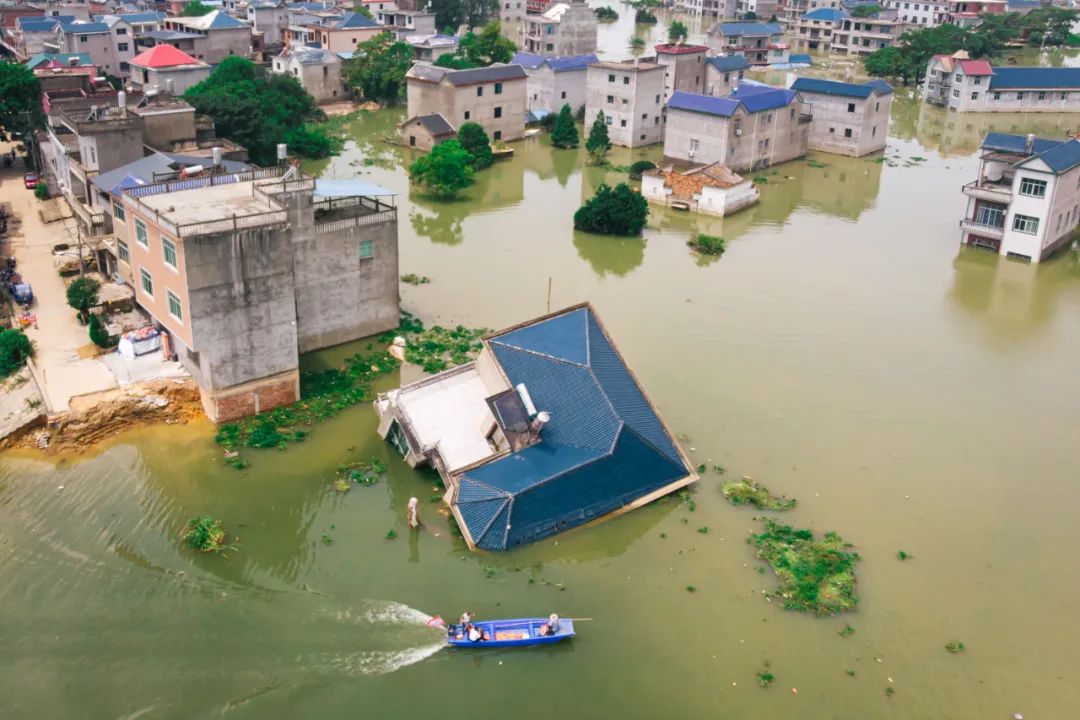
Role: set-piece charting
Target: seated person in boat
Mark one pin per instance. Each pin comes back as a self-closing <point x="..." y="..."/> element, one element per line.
<point x="474" y="633"/>
<point x="551" y="626"/>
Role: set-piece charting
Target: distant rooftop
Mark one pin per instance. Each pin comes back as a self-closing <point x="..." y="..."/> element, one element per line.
<point x="1034" y="78"/>
<point x="729" y="63"/>
<point x="732" y="29"/>
<point x="492" y="73"/>
<point x="834" y="87"/>
<point x="680" y="49"/>
<point x="631" y="65"/>
<point x="564" y="63"/>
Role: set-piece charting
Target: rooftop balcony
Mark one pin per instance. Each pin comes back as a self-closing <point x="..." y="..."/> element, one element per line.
<point x="997" y="192"/>
<point x="335" y="214"/>
<point x="82" y="121"/>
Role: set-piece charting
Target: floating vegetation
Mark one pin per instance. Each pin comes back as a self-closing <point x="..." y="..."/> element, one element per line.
<point x="489" y="571"/>
<point x="663" y="535"/>
<point x="326" y="539"/>
<point x="342" y="486"/>
<point x="205" y="534"/>
<point x="850" y="673"/>
<point x="685" y="499"/>
<point x="748" y="492"/>
<point x="760" y="180"/>
<point x="703" y="530"/>
<point x="719" y="469"/>
<point x="903" y="555"/>
<point x="764" y="677"/>
<point x="955" y="647"/>
<point x="815" y="576"/>
<point x="917" y="158"/>
<point x="414" y="279"/>
<point x="890" y="691"/>
<point x="707" y="245"/>
<point x="361" y="473"/>
<point x="846" y="631"/>
<point x="701" y="468"/>
<point x="880" y="160"/>
<point x="691" y="589"/>
<point x="326" y="393"/>
<point x="233" y="459"/>
<point x="391" y="534"/>
<point x="817" y="164"/>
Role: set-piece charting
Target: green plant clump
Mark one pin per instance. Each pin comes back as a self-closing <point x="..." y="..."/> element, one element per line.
<point x="816" y="576"/>
<point x="564" y="133"/>
<point x="636" y="169"/>
<point x="846" y="631"/>
<point x="748" y="492"/>
<point x="901" y="555"/>
<point x="361" y="473"/>
<point x="618" y="211"/>
<point x="98" y="334"/>
<point x="817" y="164"/>
<point x="765" y="678"/>
<point x="15" y="348"/>
<point x="414" y="279"/>
<point x="41" y="191"/>
<point x="707" y="244"/>
<point x="955" y="647"/>
<point x="204" y="533"/>
<point x="606" y="14"/>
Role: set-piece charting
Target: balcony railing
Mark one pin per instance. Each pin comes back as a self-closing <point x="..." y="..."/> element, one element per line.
<point x="993" y="231"/>
<point x="993" y="193"/>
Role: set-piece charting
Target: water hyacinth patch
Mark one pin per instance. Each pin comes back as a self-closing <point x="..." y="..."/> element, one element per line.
<point x="816" y="576"/>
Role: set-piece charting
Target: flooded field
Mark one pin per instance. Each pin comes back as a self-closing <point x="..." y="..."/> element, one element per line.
<point x="844" y="350"/>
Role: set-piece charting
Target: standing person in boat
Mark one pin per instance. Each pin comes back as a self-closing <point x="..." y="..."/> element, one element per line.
<point x="553" y="623"/>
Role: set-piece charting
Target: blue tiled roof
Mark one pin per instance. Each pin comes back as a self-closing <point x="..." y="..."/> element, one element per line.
<point x="354" y="20"/>
<point x="826" y="14"/>
<point x="1034" y="78"/>
<point x="557" y="64"/>
<point x="722" y="106"/>
<point x="41" y="24"/>
<point x="167" y="35"/>
<point x="142" y="17"/>
<point x="1005" y="142"/>
<point x="800" y="59"/>
<point x="528" y="60"/>
<point x="833" y="87"/>
<point x="65" y="58"/>
<point x="730" y="63"/>
<point x="84" y="28"/>
<point x="1059" y="158"/>
<point x="603" y="448"/>
<point x="223" y="20"/>
<point x="756" y="97"/>
<point x="750" y="28"/>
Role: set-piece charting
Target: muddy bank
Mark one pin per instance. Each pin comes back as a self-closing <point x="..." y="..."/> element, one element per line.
<point x="93" y="418"/>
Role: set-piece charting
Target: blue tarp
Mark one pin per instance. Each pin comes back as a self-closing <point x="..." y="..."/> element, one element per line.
<point x="349" y="188"/>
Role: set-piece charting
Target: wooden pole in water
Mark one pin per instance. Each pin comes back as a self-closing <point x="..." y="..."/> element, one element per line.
<point x="549" y="296"/>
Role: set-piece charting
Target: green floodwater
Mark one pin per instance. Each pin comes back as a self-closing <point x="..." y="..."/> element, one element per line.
<point x="912" y="395"/>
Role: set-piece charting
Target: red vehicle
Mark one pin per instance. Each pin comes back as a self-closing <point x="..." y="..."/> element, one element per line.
<point x="30" y="180"/>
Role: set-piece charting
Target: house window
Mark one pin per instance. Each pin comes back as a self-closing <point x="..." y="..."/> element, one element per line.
<point x="1064" y="96"/>
<point x="851" y="107"/>
<point x="792" y="116"/>
<point x="622" y="123"/>
<point x="611" y="78"/>
<point x="873" y="131"/>
<point x="467" y="114"/>
<point x="82" y="38"/>
<point x="626" y="80"/>
<point x="365" y="249"/>
<point x="121" y="31"/>
<point x="956" y="93"/>
<point x="1042" y="96"/>
<point x="122" y="248"/>
<point x="118" y="211"/>
<point x="992" y="215"/>
<point x="877" y="106"/>
<point x="479" y="90"/>
<point x="694" y="144"/>
<point x="847" y="132"/>
<point x="122" y="47"/>
<point x="657" y="99"/>
<point x="497" y="135"/>
<point x="174" y="305"/>
<point x="611" y="98"/>
<point x="412" y="141"/>
<point x="644" y="116"/>
<point x="147" y="282"/>
<point x="563" y="94"/>
<point x="140" y="233"/>
<point x="1019" y="96"/>
<point x="498" y="88"/>
<point x="1033" y="188"/>
<point x="1026" y="224"/>
<point x="168" y="252"/>
<point x="974" y="96"/>
<point x="498" y="112"/>
<point x="997" y="96"/>
<point x="608" y="119"/>
<point x="978" y="81"/>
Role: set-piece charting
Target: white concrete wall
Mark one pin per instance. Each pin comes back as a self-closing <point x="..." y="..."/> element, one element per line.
<point x="868" y="123"/>
<point x="549" y="90"/>
<point x="631" y="98"/>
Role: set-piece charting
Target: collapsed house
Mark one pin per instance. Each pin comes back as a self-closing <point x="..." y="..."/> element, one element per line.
<point x="546" y="430"/>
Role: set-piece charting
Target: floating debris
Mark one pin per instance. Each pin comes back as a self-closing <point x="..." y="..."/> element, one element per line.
<point x="815" y="576"/>
<point x="748" y="492"/>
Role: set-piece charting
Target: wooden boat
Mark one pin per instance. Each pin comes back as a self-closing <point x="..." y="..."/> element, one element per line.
<point x="518" y="632"/>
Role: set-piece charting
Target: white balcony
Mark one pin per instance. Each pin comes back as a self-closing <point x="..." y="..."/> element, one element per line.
<point x="993" y="193"/>
<point x="991" y="231"/>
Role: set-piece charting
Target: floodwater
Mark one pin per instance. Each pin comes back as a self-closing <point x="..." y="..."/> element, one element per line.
<point x="912" y="395"/>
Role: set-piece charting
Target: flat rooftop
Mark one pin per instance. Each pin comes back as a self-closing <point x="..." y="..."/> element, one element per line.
<point x="206" y="204"/>
<point x="453" y="413"/>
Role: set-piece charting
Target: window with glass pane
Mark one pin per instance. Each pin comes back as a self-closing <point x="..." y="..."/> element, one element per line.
<point x="365" y="248"/>
<point x="168" y="250"/>
<point x="140" y="233"/>
<point x="993" y="215"/>
<point x="147" y="282"/>
<point x="118" y="211"/>
<point x="174" y="306"/>
<point x="122" y="248"/>
<point x="1032" y="188"/>
<point x="1026" y="224"/>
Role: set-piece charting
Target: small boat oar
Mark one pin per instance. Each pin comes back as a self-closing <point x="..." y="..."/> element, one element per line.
<point x="579" y="619"/>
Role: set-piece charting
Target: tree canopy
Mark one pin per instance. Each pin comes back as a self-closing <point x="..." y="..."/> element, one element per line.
<point x="378" y="66"/>
<point x="20" y="100"/>
<point x="480" y="50"/>
<point x="865" y="10"/>
<point x="259" y="110"/>
<point x="564" y="134"/>
<point x="196" y="9"/>
<point x="444" y="171"/>
<point x="452" y="14"/>
<point x="475" y="141"/>
<point x="598" y="142"/>
<point x="613" y="212"/>
<point x="14" y="349"/>
<point x="677" y="31"/>
<point x="82" y="294"/>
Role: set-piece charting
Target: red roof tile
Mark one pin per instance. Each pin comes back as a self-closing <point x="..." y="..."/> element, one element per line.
<point x="975" y="67"/>
<point x="161" y="56"/>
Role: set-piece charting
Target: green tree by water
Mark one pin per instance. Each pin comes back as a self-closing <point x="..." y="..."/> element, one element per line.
<point x="564" y="134"/>
<point x="258" y="109"/>
<point x="82" y="294"/>
<point x="378" y="66"/>
<point x="444" y="171"/>
<point x="475" y="141"/>
<point x="15" y="348"/>
<point x="480" y="49"/>
<point x="1048" y="25"/>
<point x="598" y="142"/>
<point x="20" y="101"/>
<point x="677" y="31"/>
<point x="613" y="212"/>
<point x="452" y="14"/>
<point x="606" y="14"/>
<point x="196" y="9"/>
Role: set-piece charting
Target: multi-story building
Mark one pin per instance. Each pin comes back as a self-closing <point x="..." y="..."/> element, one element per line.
<point x="213" y="37"/>
<point x="269" y="17"/>
<point x="122" y="31"/>
<point x="555" y="81"/>
<point x="722" y="74"/>
<point x="431" y="47"/>
<point x="562" y="29"/>
<point x="849" y="119"/>
<point x="968" y="13"/>
<point x="864" y="35"/>
<point x="759" y="43"/>
<point x="337" y="35"/>
<point x="318" y="70"/>
<point x="493" y="97"/>
<point x="30" y="34"/>
<point x="924" y="13"/>
<point x="630" y="94"/>
<point x="1025" y="202"/>
<point x="974" y="86"/>
<point x="684" y="67"/>
<point x="512" y="11"/>
<point x="404" y="23"/>
<point x="246" y="270"/>
<point x="163" y="67"/>
<point x="754" y="127"/>
<point x="814" y="30"/>
<point x="92" y="38"/>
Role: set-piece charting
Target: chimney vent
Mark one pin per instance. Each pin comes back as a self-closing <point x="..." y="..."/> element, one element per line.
<point x="542" y="418"/>
<point x="216" y="153"/>
<point x="1030" y="146"/>
<point x="282" y="152"/>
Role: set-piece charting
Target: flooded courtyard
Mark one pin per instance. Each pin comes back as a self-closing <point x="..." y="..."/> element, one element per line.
<point x="844" y="350"/>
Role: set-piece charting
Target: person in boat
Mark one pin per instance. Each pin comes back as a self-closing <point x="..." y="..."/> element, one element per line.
<point x="474" y="633"/>
<point x="551" y="626"/>
<point x="466" y="619"/>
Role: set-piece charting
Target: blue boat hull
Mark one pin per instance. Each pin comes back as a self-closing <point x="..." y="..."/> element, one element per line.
<point x="519" y="632"/>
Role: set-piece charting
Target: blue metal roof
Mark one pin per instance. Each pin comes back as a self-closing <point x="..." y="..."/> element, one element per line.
<point x="750" y="28"/>
<point x="730" y="63"/>
<point x="222" y="20"/>
<point x="84" y="28"/>
<point x="527" y="60"/>
<point x="603" y="448"/>
<point x="826" y="14"/>
<point x="1034" y="78"/>
<point x="142" y="17"/>
<point x="65" y="58"/>
<point x="41" y="24"/>
<point x="756" y="97"/>
<point x="800" y="59"/>
<point x="1059" y="158"/>
<point x="170" y="35"/>
<point x="354" y="20"/>
<point x="558" y="64"/>
<point x="722" y="106"/>
<point x="833" y="87"/>
<point x="1004" y="142"/>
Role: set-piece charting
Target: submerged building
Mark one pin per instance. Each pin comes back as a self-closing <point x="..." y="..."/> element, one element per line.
<point x="548" y="429"/>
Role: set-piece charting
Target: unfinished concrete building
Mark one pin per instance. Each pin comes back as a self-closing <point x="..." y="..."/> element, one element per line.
<point x="630" y="94"/>
<point x="493" y="97"/>
<point x="849" y="118"/>
<point x="246" y="270"/>
<point x="562" y="29"/>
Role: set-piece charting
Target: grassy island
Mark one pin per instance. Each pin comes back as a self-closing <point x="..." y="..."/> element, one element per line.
<point x="816" y="576"/>
<point x="748" y="492"/>
<point x="204" y="533"/>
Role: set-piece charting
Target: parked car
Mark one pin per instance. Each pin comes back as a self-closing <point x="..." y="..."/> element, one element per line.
<point x="30" y="180"/>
